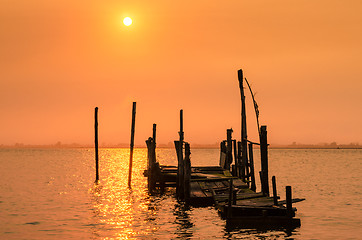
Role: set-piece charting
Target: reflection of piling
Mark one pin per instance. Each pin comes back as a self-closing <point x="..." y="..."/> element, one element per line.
<point x="132" y="143"/>
<point x="96" y="141"/>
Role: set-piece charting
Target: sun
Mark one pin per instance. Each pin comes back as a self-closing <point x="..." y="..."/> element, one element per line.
<point x="127" y="21"/>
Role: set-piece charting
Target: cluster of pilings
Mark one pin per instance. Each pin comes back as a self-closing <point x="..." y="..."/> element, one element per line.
<point x="183" y="177"/>
<point x="240" y="161"/>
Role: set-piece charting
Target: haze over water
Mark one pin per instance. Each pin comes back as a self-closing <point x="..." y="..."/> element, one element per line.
<point x="49" y="194"/>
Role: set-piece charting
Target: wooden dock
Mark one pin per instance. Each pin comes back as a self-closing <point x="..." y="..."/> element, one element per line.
<point x="231" y="186"/>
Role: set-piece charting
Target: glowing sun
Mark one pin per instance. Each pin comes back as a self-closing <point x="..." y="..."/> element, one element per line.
<point x="127" y="21"/>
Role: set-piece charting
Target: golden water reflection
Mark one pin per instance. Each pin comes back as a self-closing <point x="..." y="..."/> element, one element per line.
<point x="119" y="212"/>
<point x="127" y="213"/>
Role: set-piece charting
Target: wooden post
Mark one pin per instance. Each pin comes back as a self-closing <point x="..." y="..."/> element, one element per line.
<point x="229" y="211"/>
<point x="223" y="157"/>
<point x="151" y="155"/>
<point x="252" y="173"/>
<point x="154" y="133"/>
<point x="264" y="159"/>
<point x="261" y="182"/>
<point x="240" y="167"/>
<point x="275" y="195"/>
<point x="288" y="193"/>
<point x="234" y="196"/>
<point x="229" y="154"/>
<point x="96" y="142"/>
<point x="187" y="173"/>
<point x="180" y="166"/>
<point x="235" y="159"/>
<point x="244" y="136"/>
<point x="132" y="143"/>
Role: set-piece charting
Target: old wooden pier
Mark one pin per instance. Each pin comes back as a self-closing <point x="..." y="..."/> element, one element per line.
<point x="231" y="186"/>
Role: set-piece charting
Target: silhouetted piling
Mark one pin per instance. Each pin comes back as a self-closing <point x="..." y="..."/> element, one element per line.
<point x="252" y="172"/>
<point x="180" y="165"/>
<point x="288" y="193"/>
<point x="275" y="195"/>
<point x="96" y="142"/>
<point x="151" y="169"/>
<point x="154" y="132"/>
<point x="235" y="166"/>
<point x="240" y="166"/>
<point x="264" y="159"/>
<point x="187" y="172"/>
<point x="132" y="143"/>
<point x="244" y="135"/>
<point x="229" y="154"/>
<point x="229" y="211"/>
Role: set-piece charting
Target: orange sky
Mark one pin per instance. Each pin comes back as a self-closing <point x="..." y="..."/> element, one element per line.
<point x="60" y="59"/>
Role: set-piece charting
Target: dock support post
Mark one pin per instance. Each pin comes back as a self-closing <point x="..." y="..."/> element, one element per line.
<point x="180" y="165"/>
<point x="229" y="146"/>
<point x="151" y="169"/>
<point x="235" y="168"/>
<point x="288" y="193"/>
<point x="264" y="159"/>
<point x="223" y="157"/>
<point x="132" y="143"/>
<point x="275" y="195"/>
<point x="229" y="210"/>
<point x="187" y="173"/>
<point x="244" y="135"/>
<point x="240" y="167"/>
<point x="96" y="142"/>
<point x="252" y="173"/>
<point x="154" y="132"/>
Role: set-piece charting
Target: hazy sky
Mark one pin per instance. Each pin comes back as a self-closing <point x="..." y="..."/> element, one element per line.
<point x="60" y="59"/>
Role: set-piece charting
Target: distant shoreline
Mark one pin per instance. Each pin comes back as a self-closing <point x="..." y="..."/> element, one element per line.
<point x="165" y="146"/>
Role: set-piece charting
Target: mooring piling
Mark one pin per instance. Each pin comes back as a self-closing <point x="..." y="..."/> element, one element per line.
<point x="180" y="166"/>
<point x="187" y="172"/>
<point x="244" y="135"/>
<point x="252" y="173"/>
<point x="151" y="156"/>
<point x="230" y="200"/>
<point x="275" y="195"/>
<point x="229" y="154"/>
<point x="154" y="132"/>
<point x="96" y="143"/>
<point x="264" y="159"/>
<point x="132" y="143"/>
<point x="288" y="193"/>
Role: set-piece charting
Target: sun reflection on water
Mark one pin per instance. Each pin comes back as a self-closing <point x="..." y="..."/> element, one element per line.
<point x="117" y="208"/>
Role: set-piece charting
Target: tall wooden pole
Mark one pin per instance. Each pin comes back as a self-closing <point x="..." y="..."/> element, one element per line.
<point x="180" y="168"/>
<point x="96" y="142"/>
<point x="154" y="133"/>
<point x="132" y="143"/>
<point x="264" y="159"/>
<point x="244" y="137"/>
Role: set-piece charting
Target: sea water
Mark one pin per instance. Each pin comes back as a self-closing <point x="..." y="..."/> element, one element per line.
<point x="50" y="194"/>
